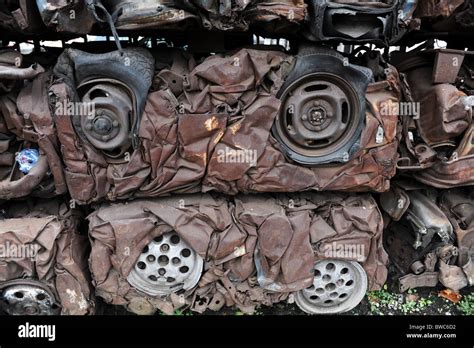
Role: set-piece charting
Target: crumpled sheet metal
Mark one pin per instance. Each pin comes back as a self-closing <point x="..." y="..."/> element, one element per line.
<point x="257" y="248"/>
<point x="437" y="8"/>
<point x="211" y="15"/>
<point x="61" y="259"/>
<point x="69" y="16"/>
<point x="187" y="129"/>
<point x="451" y="262"/>
<point x="445" y="122"/>
<point x="459" y="205"/>
<point x="20" y="16"/>
<point x="26" y="116"/>
<point x="458" y="170"/>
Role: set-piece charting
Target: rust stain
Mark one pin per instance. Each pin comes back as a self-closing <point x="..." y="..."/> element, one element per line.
<point x="235" y="128"/>
<point x="211" y="123"/>
<point x="219" y="136"/>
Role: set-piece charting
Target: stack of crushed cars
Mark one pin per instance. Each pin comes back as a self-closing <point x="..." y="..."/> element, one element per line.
<point x="165" y="155"/>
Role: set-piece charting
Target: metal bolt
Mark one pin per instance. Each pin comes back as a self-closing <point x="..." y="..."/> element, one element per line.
<point x="115" y="124"/>
<point x="304" y="117"/>
<point x="105" y="137"/>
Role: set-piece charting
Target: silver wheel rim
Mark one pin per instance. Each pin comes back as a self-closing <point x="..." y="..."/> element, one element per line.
<point x="338" y="286"/>
<point x="166" y="265"/>
<point x="29" y="300"/>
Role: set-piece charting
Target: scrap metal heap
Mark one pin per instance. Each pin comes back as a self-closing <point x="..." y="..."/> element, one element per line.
<point x="163" y="155"/>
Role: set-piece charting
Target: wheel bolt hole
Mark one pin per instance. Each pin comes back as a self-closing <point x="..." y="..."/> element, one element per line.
<point x="152" y="278"/>
<point x="141" y="265"/>
<point x="162" y="271"/>
<point x="19" y="294"/>
<point x="163" y="260"/>
<point x="345" y="270"/>
<point x="151" y="258"/>
<point x="41" y="297"/>
<point x="330" y="267"/>
<point x="333" y="294"/>
<point x="170" y="279"/>
<point x="326" y="277"/>
<point x="186" y="253"/>
<point x="330" y="287"/>
<point x="317" y="273"/>
<point x="145" y="249"/>
<point x="320" y="291"/>
<point x="175" y="260"/>
<point x="158" y="239"/>
<point x="314" y="297"/>
<point x="184" y="269"/>
<point x="349" y="283"/>
<point x="164" y="248"/>
<point x="175" y="239"/>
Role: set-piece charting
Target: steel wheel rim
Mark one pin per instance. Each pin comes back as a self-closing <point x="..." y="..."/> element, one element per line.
<point x="338" y="286"/>
<point x="288" y="125"/>
<point x="166" y="265"/>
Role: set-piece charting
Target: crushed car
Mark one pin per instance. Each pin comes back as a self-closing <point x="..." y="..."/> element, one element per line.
<point x="43" y="262"/>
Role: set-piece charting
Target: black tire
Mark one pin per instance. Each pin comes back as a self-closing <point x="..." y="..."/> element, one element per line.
<point x="327" y="62"/>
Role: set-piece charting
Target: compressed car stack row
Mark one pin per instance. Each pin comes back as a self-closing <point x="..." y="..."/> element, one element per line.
<point x="162" y="155"/>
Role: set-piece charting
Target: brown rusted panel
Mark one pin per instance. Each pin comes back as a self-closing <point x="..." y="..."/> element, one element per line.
<point x="411" y="281"/>
<point x="446" y="66"/>
<point x="27" y="117"/>
<point x="283" y="235"/>
<point x="437" y="8"/>
<point x="437" y="148"/>
<point x="424" y="264"/>
<point x="225" y="110"/>
<point x="60" y="254"/>
<point x="459" y="204"/>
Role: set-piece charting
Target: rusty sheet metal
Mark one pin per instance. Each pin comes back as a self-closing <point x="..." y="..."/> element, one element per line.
<point x="459" y="205"/>
<point x="447" y="65"/>
<point x="437" y="8"/>
<point x="211" y="15"/>
<point x="27" y="117"/>
<point x="411" y="281"/>
<point x="458" y="170"/>
<point x="193" y="128"/>
<point x="443" y="114"/>
<point x="452" y="260"/>
<point x="256" y="249"/>
<point x="60" y="259"/>
<point x="437" y="148"/>
<point x="68" y="16"/>
<point x="20" y="16"/>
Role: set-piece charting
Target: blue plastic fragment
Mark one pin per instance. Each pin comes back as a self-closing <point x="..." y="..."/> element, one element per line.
<point x="26" y="159"/>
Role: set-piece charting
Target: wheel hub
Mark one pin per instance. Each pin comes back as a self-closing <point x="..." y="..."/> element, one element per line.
<point x="319" y="115"/>
<point x="29" y="300"/>
<point x="167" y="264"/>
<point x="338" y="286"/>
